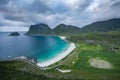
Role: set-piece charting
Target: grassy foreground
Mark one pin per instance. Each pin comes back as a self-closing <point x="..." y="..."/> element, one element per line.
<point x="93" y="45"/>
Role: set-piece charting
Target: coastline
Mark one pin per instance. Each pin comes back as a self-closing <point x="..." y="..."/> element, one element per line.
<point x="41" y="65"/>
<point x="62" y="55"/>
<point x="62" y="37"/>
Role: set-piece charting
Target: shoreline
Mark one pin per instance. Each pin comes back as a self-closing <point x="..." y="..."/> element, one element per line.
<point x="62" y="37"/>
<point x="59" y="57"/>
<point x="41" y="65"/>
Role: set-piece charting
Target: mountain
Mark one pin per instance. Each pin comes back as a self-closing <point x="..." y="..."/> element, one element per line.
<point x="63" y="29"/>
<point x="103" y="26"/>
<point x="68" y="30"/>
<point x="39" y="29"/>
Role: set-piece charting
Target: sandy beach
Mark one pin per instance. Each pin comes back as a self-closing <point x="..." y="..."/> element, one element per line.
<point x="62" y="37"/>
<point x="62" y="55"/>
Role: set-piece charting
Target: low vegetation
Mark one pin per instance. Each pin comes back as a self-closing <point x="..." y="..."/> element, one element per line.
<point x="89" y="46"/>
<point x="94" y="46"/>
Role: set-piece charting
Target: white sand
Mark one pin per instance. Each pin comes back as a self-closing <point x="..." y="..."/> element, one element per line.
<point x="98" y="63"/>
<point x="62" y="37"/>
<point x="64" y="71"/>
<point x="59" y="57"/>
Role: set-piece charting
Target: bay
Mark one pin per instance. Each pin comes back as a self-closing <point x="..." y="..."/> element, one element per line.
<point x="41" y="48"/>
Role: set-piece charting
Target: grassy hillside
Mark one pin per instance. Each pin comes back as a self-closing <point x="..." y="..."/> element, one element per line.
<point x="69" y="30"/>
<point x="110" y="37"/>
<point x="19" y="70"/>
<point x="66" y="30"/>
<point x="9" y="71"/>
<point x="103" y="26"/>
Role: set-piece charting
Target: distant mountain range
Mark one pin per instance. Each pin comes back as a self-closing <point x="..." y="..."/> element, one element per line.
<point x="62" y="29"/>
<point x="44" y="29"/>
<point x="103" y="26"/>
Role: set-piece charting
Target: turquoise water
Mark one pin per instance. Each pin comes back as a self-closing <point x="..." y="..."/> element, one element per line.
<point x="42" y="48"/>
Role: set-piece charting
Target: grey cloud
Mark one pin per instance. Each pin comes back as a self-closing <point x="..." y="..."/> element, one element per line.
<point x="105" y="10"/>
<point x="3" y="2"/>
<point x="2" y="24"/>
<point x="84" y="5"/>
<point x="15" y="12"/>
<point x="38" y="7"/>
<point x="116" y="4"/>
<point x="14" y="18"/>
<point x="38" y="11"/>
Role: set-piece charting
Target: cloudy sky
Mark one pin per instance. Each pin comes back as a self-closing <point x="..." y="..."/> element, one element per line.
<point x="20" y="14"/>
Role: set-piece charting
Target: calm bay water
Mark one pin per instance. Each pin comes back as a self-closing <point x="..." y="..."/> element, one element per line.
<point x="41" y="48"/>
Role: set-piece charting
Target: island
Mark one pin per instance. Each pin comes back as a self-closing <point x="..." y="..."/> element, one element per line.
<point x="14" y="34"/>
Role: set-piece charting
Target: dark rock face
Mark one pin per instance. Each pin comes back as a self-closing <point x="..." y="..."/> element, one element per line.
<point x="39" y="29"/>
<point x="14" y="34"/>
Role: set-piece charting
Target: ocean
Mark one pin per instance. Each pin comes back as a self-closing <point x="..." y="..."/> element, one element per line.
<point x="41" y="48"/>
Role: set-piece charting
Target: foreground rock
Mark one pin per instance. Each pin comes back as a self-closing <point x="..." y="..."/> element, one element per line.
<point x="98" y="63"/>
<point x="14" y="34"/>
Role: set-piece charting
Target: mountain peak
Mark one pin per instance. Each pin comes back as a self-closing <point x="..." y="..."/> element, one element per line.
<point x="63" y="29"/>
<point x="39" y="29"/>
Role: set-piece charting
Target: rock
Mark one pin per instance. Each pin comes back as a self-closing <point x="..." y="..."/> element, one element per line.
<point x="114" y="48"/>
<point x="39" y="29"/>
<point x="14" y="34"/>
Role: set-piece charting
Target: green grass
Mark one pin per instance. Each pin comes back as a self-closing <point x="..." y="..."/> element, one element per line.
<point x="87" y="51"/>
<point x="13" y="70"/>
<point x="81" y="55"/>
<point x="81" y="69"/>
<point x="84" y="46"/>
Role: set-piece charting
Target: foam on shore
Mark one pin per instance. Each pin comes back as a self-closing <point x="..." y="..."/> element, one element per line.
<point x="62" y="55"/>
<point x="62" y="37"/>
